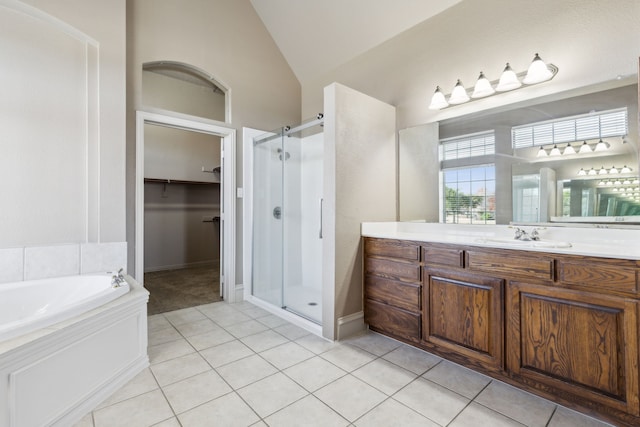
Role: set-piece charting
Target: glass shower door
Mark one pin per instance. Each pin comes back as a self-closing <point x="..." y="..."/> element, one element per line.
<point x="268" y="219"/>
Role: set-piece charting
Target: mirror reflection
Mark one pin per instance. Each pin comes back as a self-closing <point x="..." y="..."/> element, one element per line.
<point x="568" y="160"/>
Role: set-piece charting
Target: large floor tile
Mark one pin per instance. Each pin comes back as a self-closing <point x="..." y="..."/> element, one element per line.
<point x="523" y="407"/>
<point x="246" y="371"/>
<point x="307" y="412"/>
<point x="228" y="410"/>
<point x="385" y="376"/>
<point x="391" y="413"/>
<point x="435" y="402"/>
<point x="316" y="344"/>
<point x="164" y="335"/>
<point x="272" y="321"/>
<point x="314" y="373"/>
<point x="243" y="329"/>
<point x="291" y="331"/>
<point x="412" y="359"/>
<point x="86" y="421"/>
<point x="350" y="397"/>
<point x="226" y="319"/>
<point x="255" y="312"/>
<point x="179" y="368"/>
<point x="564" y="417"/>
<point x="226" y="353"/>
<point x="171" y="422"/>
<point x="210" y="339"/>
<point x="144" y="410"/>
<point x="170" y="350"/>
<point x="373" y="343"/>
<point x="196" y="390"/>
<point x="476" y="415"/>
<point x="264" y="340"/>
<point x="456" y="378"/>
<point x="157" y="321"/>
<point x="271" y="394"/>
<point x="198" y="327"/>
<point x="347" y="357"/>
<point x="185" y="315"/>
<point x="142" y="383"/>
<point x="286" y="355"/>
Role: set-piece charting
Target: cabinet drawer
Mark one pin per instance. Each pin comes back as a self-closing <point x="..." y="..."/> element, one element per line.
<point x="392" y="269"/>
<point x="392" y="249"/>
<point x="442" y="256"/>
<point x="534" y="265"/>
<point x="598" y="276"/>
<point x="393" y="320"/>
<point x="398" y="294"/>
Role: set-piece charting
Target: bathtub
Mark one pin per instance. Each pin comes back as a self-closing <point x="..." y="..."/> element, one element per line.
<point x="28" y="306"/>
<point x="67" y="344"/>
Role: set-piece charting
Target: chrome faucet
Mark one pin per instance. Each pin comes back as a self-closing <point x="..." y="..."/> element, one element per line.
<point x="523" y="235"/>
<point x="117" y="279"/>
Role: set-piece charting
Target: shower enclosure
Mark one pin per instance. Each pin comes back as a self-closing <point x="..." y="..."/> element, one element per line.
<point x="287" y="219"/>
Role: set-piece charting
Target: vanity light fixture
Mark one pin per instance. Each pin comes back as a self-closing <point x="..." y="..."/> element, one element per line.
<point x="613" y="170"/>
<point x="538" y="72"/>
<point x="617" y="182"/>
<point x="568" y="150"/>
<point x="626" y="182"/>
<point x="602" y="171"/>
<point x="555" y="151"/>
<point x="458" y="94"/>
<point x="609" y="183"/>
<point x="625" y="169"/>
<point x="542" y="152"/>
<point x="582" y="172"/>
<point x="585" y="148"/>
<point x="483" y="87"/>
<point x="592" y="171"/>
<point x="601" y="146"/>
<point x="636" y="181"/>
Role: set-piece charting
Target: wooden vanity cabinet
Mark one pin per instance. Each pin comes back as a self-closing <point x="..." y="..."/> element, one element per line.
<point x="582" y="346"/>
<point x="393" y="288"/>
<point x="562" y="326"/>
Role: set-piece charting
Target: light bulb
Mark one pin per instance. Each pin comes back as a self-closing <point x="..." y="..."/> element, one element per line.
<point x="458" y="94"/>
<point x="483" y="87"/>
<point x="438" y="100"/>
<point x="508" y="80"/>
<point x="538" y="72"/>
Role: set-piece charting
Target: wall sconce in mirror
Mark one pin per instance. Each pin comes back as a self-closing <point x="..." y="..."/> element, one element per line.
<point x="538" y="72"/>
<point x="602" y="171"/>
<point x="585" y="148"/>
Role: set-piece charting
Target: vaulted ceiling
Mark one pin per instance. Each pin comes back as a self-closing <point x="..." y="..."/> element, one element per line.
<point x="316" y="36"/>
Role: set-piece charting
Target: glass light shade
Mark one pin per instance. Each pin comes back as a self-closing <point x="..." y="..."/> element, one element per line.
<point x="615" y="190"/>
<point x="508" y="80"/>
<point x="538" y="72"/>
<point x="635" y="181"/>
<point x="601" y="146"/>
<point x="582" y="172"/>
<point x="438" y="100"/>
<point x="555" y="151"/>
<point x="610" y="183"/>
<point x="569" y="150"/>
<point x="585" y="148"/>
<point x="602" y="171"/>
<point x="626" y="182"/>
<point x="617" y="182"/>
<point x="592" y="171"/>
<point x="625" y="169"/>
<point x="613" y="170"/>
<point x="483" y="87"/>
<point x="542" y="152"/>
<point x="458" y="94"/>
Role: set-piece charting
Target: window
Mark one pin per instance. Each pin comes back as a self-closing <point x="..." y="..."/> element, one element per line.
<point x="469" y="181"/>
<point x="469" y="195"/>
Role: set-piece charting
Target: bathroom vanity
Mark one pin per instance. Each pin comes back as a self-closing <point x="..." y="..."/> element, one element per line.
<point x="558" y="317"/>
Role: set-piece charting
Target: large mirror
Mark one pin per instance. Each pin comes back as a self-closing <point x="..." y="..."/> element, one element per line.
<point x="545" y="162"/>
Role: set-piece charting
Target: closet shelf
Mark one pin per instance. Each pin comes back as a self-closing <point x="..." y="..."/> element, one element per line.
<point x="180" y="181"/>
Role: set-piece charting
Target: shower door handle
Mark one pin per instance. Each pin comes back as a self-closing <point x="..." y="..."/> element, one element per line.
<point x="320" y="234"/>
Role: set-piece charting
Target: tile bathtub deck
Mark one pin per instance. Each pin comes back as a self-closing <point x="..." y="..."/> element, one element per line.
<point x="237" y="365"/>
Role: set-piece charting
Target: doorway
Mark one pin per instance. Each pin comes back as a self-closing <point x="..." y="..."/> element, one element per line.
<point x="222" y="176"/>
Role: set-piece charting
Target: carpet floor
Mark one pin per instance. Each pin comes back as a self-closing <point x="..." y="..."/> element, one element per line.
<point x="181" y="288"/>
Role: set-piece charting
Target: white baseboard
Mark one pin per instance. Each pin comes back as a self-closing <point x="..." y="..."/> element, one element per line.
<point x="350" y="325"/>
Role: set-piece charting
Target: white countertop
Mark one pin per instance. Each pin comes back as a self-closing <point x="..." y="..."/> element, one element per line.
<point x="587" y="241"/>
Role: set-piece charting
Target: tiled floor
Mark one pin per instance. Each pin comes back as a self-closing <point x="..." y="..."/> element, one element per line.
<point x="237" y="365"/>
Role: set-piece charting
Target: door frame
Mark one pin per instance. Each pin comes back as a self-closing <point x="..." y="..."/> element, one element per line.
<point x="227" y="205"/>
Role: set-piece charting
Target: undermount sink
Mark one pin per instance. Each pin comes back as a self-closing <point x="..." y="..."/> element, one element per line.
<point x="530" y="243"/>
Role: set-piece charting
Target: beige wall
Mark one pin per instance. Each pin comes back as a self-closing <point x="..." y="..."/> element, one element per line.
<point x="98" y="215"/>
<point x="226" y="39"/>
<point x="589" y="40"/>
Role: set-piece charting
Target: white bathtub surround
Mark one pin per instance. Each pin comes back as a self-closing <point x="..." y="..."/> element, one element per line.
<point x="67" y="369"/>
<point x="587" y="240"/>
<point x="42" y="262"/>
<point x="11" y="265"/>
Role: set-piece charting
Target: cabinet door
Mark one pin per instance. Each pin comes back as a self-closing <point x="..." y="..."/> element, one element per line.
<point x="584" y="346"/>
<point x="463" y="314"/>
